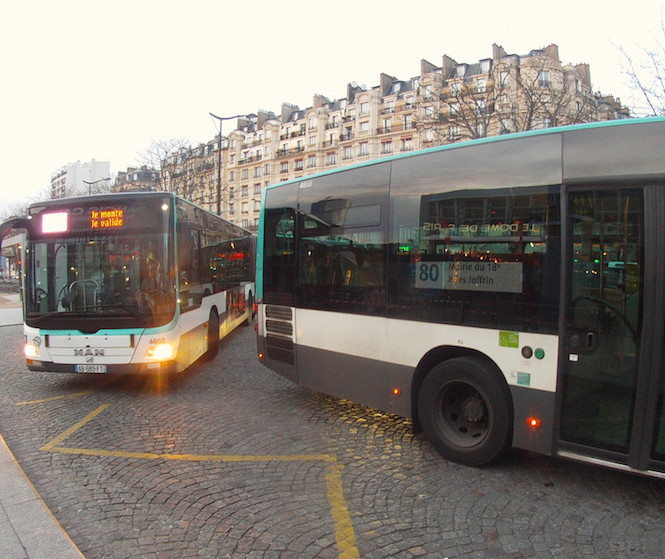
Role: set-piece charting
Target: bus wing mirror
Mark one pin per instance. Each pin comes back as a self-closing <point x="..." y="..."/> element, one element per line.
<point x="13" y="223"/>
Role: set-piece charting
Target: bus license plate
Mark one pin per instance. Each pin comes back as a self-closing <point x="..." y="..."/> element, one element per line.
<point x="90" y="368"/>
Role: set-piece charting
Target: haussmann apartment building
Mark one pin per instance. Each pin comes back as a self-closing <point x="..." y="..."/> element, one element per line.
<point x="446" y="103"/>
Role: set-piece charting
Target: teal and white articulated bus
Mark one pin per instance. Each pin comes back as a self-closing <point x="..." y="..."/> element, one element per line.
<point x="130" y="283"/>
<point x="508" y="291"/>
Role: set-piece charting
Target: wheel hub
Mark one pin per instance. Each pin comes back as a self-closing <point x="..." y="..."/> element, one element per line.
<point x="473" y="408"/>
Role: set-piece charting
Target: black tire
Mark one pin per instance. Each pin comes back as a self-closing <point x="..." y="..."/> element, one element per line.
<point x="213" y="336"/>
<point x="250" y="308"/>
<point x="466" y="411"/>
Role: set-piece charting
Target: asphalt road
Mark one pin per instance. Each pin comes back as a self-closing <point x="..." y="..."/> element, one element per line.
<point x="229" y="460"/>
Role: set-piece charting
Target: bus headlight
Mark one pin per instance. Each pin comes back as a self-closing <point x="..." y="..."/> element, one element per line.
<point x="161" y="352"/>
<point x="31" y="351"/>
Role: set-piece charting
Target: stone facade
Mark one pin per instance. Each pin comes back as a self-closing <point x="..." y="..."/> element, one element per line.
<point x="137" y="179"/>
<point x="447" y="103"/>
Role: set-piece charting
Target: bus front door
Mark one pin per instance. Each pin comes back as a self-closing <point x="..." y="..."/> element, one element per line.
<point x="611" y="401"/>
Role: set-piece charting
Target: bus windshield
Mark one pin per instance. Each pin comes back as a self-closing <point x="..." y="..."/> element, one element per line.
<point x="88" y="280"/>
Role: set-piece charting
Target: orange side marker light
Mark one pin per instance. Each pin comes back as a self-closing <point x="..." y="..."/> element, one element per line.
<point x="534" y="422"/>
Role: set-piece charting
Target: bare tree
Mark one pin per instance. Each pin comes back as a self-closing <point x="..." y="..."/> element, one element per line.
<point x="462" y="110"/>
<point x="21" y="208"/>
<point x="159" y="151"/>
<point x="178" y="173"/>
<point x="162" y="155"/>
<point x="470" y="110"/>
<point x="537" y="93"/>
<point x="184" y="170"/>
<point x="646" y="76"/>
<point x="535" y="96"/>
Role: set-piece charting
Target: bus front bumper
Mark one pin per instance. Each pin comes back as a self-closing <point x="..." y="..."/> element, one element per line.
<point x="124" y="369"/>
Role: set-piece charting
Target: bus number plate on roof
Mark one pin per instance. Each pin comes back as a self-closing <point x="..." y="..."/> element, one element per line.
<point x="90" y="368"/>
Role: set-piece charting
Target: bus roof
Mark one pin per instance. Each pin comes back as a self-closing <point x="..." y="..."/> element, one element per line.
<point x="119" y="197"/>
<point x="480" y="141"/>
<point x="104" y="197"/>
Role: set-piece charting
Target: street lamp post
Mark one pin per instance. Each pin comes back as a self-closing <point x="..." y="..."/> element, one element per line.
<point x="95" y="182"/>
<point x="219" y="158"/>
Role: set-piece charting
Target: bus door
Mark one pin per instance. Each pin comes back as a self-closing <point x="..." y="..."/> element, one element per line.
<point x="611" y="405"/>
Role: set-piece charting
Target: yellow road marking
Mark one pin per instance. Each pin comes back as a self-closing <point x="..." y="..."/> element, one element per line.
<point x="54" y="398"/>
<point x="251" y="457"/>
<point x="99" y="452"/>
<point x="74" y="428"/>
<point x="195" y="457"/>
<point x="344" y="533"/>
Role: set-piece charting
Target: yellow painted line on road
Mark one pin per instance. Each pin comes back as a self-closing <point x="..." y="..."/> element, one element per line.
<point x="344" y="533"/>
<point x="55" y="442"/>
<point x="54" y="398"/>
<point x="251" y="457"/>
<point x="194" y="457"/>
<point x="100" y="452"/>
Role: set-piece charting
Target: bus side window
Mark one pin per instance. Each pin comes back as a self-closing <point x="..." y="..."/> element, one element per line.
<point x="279" y="264"/>
<point x="484" y="258"/>
<point x="189" y="277"/>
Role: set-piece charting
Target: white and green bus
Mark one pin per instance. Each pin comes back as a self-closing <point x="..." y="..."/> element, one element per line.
<point x="131" y="283"/>
<point x="501" y="292"/>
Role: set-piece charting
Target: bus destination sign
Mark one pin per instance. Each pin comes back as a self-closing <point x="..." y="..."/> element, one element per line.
<point x="107" y="219"/>
<point x="85" y="218"/>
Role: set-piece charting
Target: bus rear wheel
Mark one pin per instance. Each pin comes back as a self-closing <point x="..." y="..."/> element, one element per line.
<point x="465" y="409"/>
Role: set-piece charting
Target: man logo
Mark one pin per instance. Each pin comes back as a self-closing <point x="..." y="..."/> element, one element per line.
<point x="88" y="352"/>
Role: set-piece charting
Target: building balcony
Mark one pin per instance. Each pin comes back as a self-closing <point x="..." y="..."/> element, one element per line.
<point x="396" y="127"/>
<point x="250" y="159"/>
<point x="294" y="134"/>
<point x="405" y="107"/>
<point x="289" y="151"/>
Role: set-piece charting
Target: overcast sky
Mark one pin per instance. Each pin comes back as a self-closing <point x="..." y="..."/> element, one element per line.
<point x="88" y="79"/>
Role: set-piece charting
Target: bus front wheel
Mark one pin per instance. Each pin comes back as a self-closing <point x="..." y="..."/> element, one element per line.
<point x="213" y="335"/>
<point x="465" y="409"/>
<point x="249" y="310"/>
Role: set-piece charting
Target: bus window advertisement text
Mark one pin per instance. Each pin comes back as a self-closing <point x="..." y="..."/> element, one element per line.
<point x="503" y="277"/>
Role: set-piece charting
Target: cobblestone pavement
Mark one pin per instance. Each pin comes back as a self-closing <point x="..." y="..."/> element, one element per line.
<point x="230" y="460"/>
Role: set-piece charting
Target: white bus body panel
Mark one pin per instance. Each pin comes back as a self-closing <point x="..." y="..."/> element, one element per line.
<point x="405" y="342"/>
